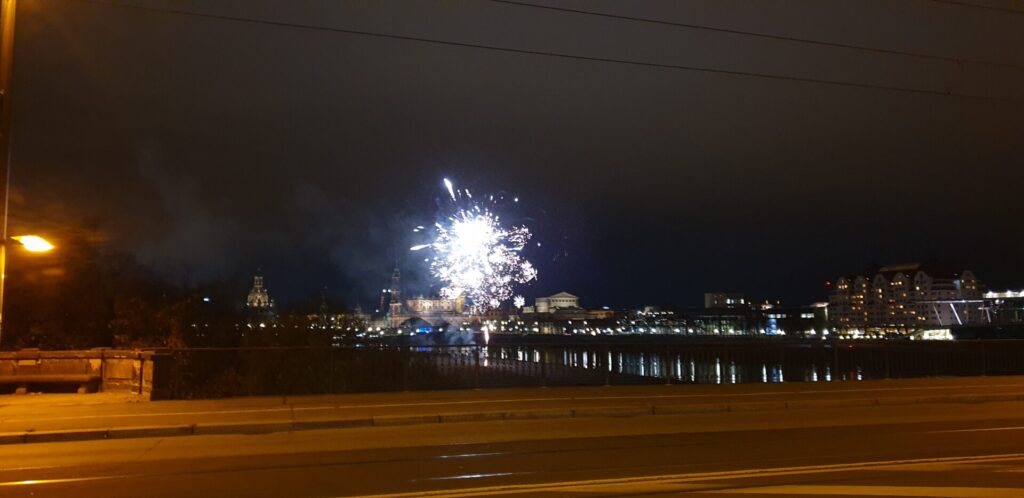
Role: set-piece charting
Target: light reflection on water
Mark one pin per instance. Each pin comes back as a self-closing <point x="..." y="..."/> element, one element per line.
<point x="701" y="368"/>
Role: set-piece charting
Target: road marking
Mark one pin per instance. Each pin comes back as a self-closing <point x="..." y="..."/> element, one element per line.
<point x="469" y="455"/>
<point x="136" y="415"/>
<point x="682" y="479"/>
<point x="35" y="482"/>
<point x="680" y="482"/>
<point x="848" y="490"/>
<point x="475" y="476"/>
<point x="983" y="429"/>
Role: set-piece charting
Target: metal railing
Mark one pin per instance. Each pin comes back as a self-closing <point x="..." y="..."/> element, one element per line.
<point x="218" y="372"/>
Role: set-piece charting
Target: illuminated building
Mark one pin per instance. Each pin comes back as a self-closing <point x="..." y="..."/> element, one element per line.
<point x="1005" y="308"/>
<point x="395" y="306"/>
<point x="434" y="305"/>
<point x="903" y="299"/>
<point x="428" y="312"/>
<point x="724" y="300"/>
<point x="259" y="307"/>
<point x="550" y="304"/>
<point x="795" y="321"/>
<point x="258" y="298"/>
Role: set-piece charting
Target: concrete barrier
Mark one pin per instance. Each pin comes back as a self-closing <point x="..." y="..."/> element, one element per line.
<point x="103" y="370"/>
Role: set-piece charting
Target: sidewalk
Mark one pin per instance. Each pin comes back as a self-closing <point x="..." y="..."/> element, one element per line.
<point x="43" y="418"/>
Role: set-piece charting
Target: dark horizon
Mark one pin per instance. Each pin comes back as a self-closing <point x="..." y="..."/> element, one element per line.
<point x="212" y="148"/>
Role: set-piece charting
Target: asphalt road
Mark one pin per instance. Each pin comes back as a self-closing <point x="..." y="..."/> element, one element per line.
<point x="905" y="450"/>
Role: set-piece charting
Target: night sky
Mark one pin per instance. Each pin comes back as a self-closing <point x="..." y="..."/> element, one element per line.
<point x="211" y="148"/>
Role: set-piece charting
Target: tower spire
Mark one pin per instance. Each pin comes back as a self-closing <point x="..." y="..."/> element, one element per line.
<point x="396" y="284"/>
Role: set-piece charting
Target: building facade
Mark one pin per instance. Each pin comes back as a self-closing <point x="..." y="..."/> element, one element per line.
<point x="903" y="299"/>
<point x="724" y="300"/>
<point x="551" y="304"/>
<point x="1005" y="308"/>
<point x="258" y="298"/>
<point x="420" y="312"/>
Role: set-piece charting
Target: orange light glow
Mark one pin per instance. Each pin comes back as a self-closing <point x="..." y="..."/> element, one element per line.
<point x="34" y="243"/>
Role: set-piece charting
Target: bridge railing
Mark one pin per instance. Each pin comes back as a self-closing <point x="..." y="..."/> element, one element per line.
<point x="219" y="372"/>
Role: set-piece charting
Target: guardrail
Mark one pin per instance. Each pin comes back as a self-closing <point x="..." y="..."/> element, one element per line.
<point x="218" y="372"/>
<point x="79" y="371"/>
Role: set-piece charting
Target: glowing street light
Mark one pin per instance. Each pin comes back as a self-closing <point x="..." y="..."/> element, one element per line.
<point x="31" y="243"/>
<point x="34" y="243"/>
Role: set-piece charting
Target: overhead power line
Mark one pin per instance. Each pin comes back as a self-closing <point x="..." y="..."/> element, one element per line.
<point x="993" y="8"/>
<point x="769" y="36"/>
<point x="561" y="55"/>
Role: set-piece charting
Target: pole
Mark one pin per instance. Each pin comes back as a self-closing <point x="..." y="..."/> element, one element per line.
<point x="7" y="9"/>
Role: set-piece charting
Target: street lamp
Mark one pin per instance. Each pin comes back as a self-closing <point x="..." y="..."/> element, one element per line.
<point x="31" y="243"/>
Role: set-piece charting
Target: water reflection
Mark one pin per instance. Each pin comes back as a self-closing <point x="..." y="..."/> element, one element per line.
<point x="700" y="367"/>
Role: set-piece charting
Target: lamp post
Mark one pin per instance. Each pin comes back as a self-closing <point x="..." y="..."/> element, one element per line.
<point x="7" y="9"/>
<point x="31" y="243"/>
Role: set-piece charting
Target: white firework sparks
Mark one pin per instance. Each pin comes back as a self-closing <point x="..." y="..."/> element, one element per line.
<point x="519" y="302"/>
<point x="477" y="258"/>
<point x="451" y="190"/>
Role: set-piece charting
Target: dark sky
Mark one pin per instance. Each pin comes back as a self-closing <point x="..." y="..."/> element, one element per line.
<point x="211" y="148"/>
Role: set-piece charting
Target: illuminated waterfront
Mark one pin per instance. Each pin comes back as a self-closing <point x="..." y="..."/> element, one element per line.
<point x="765" y="361"/>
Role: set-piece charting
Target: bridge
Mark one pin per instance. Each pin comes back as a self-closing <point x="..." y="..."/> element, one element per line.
<point x="917" y="437"/>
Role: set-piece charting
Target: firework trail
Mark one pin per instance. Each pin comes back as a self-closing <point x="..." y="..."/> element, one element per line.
<point x="475" y="256"/>
<point x="448" y="185"/>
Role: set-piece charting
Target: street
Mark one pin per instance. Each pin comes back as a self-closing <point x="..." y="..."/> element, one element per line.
<point x="926" y="449"/>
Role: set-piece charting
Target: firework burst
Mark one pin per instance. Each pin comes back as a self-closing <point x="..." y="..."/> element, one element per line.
<point x="476" y="257"/>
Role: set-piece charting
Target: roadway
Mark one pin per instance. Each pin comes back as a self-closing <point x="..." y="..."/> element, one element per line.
<point x="931" y="449"/>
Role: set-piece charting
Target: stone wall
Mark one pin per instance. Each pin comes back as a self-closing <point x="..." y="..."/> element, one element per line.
<point x="96" y="370"/>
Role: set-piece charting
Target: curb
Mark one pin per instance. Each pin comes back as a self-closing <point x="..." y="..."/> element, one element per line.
<point x="615" y="411"/>
<point x="541" y="413"/>
<point x="253" y="428"/>
<point x="386" y="421"/>
<point x="157" y="431"/>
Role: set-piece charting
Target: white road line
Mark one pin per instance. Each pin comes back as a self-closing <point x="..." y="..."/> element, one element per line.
<point x="850" y="490"/>
<point x="983" y="429"/>
<point x="671" y="481"/>
<point x="36" y="482"/>
<point x="474" y="476"/>
<point x="681" y="479"/>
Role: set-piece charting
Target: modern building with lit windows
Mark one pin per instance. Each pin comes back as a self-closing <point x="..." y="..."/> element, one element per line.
<point x="1005" y="308"/>
<point x="903" y="299"/>
<point x="724" y="300"/>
